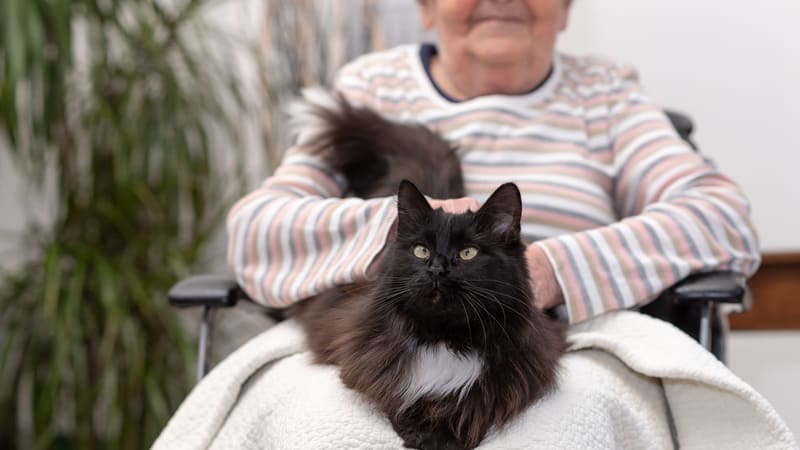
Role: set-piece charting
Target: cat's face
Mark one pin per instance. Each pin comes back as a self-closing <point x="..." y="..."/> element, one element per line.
<point x="462" y="270"/>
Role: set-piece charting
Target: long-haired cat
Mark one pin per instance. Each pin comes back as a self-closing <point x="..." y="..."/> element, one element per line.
<point x="446" y="341"/>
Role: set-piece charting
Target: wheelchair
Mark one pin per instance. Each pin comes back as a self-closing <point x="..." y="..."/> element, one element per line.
<point x="697" y="305"/>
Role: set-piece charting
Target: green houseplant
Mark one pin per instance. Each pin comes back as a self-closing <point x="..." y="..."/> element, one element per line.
<point x="114" y="101"/>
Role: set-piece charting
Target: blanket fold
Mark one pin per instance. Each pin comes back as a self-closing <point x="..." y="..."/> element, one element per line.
<point x="623" y="372"/>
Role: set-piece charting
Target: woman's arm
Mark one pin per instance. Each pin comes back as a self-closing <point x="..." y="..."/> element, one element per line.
<point x="295" y="236"/>
<point x="679" y="215"/>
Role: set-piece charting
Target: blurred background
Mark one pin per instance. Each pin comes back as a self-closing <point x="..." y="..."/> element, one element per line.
<point x="128" y="128"/>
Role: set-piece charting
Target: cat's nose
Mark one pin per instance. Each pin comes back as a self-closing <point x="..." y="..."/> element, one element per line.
<point x="438" y="266"/>
<point x="437" y="270"/>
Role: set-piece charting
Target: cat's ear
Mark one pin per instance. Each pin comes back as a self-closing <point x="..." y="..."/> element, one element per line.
<point x="500" y="215"/>
<point x="412" y="207"/>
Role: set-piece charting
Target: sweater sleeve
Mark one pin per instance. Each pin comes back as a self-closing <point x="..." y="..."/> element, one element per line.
<point x="679" y="215"/>
<point x="295" y="236"/>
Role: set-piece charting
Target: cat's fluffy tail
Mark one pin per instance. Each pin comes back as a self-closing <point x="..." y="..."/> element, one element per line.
<point x="372" y="152"/>
<point x="310" y="117"/>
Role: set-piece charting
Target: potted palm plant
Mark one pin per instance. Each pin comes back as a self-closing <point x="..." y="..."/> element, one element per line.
<point x="113" y="100"/>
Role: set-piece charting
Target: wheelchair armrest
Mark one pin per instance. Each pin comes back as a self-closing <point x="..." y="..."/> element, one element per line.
<point x="215" y="291"/>
<point x="718" y="287"/>
<point x="205" y="290"/>
<point x="682" y="123"/>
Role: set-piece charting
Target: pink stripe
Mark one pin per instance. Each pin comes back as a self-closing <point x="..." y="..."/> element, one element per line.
<point x="682" y="246"/>
<point x="633" y="163"/>
<point x="572" y="294"/>
<point x="533" y="188"/>
<point x="509" y="171"/>
<point x="530" y="143"/>
<point x="359" y="241"/>
<point x="286" y="177"/>
<point x="252" y="261"/>
<point x="664" y="184"/>
<point x="602" y="99"/>
<point x="393" y="81"/>
<point x="256" y="196"/>
<point x="626" y="261"/>
<point x="599" y="127"/>
<point x="554" y="219"/>
<point x="414" y="106"/>
<point x="302" y="253"/>
<point x="350" y="232"/>
<point x="380" y="240"/>
<point x="663" y="267"/>
<point x="720" y="252"/>
<point x="274" y="252"/>
<point x="456" y="121"/>
<point x="629" y="135"/>
<point x="315" y="282"/>
<point x="607" y="296"/>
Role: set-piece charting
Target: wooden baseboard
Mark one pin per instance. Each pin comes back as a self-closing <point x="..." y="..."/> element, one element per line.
<point x="776" y="295"/>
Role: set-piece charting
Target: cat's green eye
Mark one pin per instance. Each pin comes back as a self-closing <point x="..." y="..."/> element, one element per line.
<point x="422" y="252"/>
<point x="468" y="253"/>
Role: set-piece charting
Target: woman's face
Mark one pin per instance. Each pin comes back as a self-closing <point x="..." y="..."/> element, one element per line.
<point x="497" y="31"/>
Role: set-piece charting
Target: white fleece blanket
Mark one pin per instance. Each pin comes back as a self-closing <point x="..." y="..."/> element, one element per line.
<point x="622" y="371"/>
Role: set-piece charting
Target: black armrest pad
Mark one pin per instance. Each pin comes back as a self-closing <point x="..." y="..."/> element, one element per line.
<point x="205" y="290"/>
<point x="682" y="123"/>
<point x="722" y="287"/>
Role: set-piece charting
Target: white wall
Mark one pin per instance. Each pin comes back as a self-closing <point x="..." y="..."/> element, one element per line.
<point x="734" y="66"/>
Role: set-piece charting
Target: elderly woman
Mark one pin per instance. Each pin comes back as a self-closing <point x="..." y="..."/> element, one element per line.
<point x="616" y="208"/>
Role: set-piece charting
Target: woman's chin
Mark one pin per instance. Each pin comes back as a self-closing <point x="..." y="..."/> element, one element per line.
<point x="501" y="50"/>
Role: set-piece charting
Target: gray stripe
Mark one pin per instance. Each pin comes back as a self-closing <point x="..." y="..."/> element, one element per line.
<point x="289" y="190"/>
<point x="586" y="301"/>
<point x="676" y="273"/>
<point x="736" y="224"/>
<point x="571" y="187"/>
<point x="607" y="268"/>
<point x="538" y="164"/>
<point x="537" y="136"/>
<point x="637" y="182"/>
<point x="578" y="215"/>
<point x="242" y="242"/>
<point x="505" y="111"/>
<point x="320" y="166"/>
<point x="639" y="267"/>
<point x="686" y="235"/>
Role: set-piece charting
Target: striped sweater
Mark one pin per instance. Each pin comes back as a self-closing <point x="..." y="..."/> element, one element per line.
<point x="622" y="207"/>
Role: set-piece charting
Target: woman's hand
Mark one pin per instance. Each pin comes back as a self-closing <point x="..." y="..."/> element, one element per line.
<point x="455" y="205"/>
<point x="546" y="290"/>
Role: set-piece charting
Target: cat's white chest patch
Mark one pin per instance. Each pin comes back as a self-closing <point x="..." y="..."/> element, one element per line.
<point x="438" y="371"/>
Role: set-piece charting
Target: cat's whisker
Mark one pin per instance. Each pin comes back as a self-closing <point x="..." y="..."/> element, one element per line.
<point x="489" y="295"/>
<point x="469" y="327"/>
<point x="488" y="313"/>
<point x="480" y="320"/>
<point x="512" y="286"/>
<point x="502" y="309"/>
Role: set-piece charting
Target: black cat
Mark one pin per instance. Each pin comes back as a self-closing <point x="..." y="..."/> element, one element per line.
<point x="446" y="341"/>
